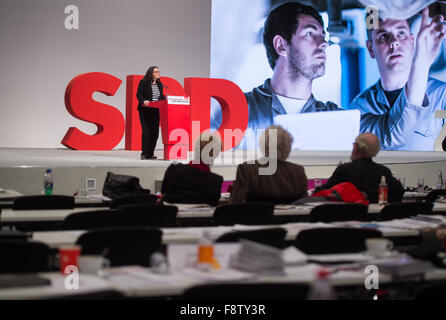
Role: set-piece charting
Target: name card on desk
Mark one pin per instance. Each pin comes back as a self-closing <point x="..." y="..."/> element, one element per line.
<point x="181" y="100"/>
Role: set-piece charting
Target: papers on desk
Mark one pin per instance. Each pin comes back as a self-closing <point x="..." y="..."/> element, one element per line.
<point x="9" y="193"/>
<point x="410" y="224"/>
<point x="218" y="275"/>
<point x="98" y="197"/>
<point x="185" y="207"/>
<point x="137" y="276"/>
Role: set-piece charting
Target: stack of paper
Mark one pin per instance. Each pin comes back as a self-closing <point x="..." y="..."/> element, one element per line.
<point x="257" y="258"/>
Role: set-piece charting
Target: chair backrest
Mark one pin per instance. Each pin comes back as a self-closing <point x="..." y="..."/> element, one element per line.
<point x="334" y="240"/>
<point x="434" y="194"/>
<point x="252" y="213"/>
<point x="274" y="237"/>
<point x="247" y="291"/>
<point x="401" y="210"/>
<point x="431" y="292"/>
<point x="41" y="202"/>
<point x="91" y="220"/>
<point x="133" y="199"/>
<point x="123" y="246"/>
<point x="331" y="212"/>
<point x="148" y="215"/>
<point x="18" y="256"/>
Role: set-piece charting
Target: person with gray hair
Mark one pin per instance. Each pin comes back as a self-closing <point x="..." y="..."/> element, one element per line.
<point x="364" y="173"/>
<point x="285" y="185"/>
<point x="194" y="182"/>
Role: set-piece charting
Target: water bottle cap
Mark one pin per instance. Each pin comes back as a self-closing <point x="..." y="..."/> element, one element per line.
<point x="322" y="274"/>
<point x="48" y="171"/>
<point x="383" y="179"/>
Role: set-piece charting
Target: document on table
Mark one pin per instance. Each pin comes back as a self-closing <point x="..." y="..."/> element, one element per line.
<point x="186" y="207"/>
<point x="218" y="275"/>
<point x="137" y="276"/>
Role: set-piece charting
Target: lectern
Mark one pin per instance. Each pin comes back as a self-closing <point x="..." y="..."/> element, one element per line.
<point x="174" y="119"/>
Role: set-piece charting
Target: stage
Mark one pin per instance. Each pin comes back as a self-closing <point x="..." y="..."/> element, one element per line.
<point x="22" y="169"/>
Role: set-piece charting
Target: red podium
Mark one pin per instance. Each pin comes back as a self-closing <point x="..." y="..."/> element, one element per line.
<point x="175" y="117"/>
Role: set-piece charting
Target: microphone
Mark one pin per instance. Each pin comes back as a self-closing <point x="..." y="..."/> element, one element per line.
<point x="164" y="86"/>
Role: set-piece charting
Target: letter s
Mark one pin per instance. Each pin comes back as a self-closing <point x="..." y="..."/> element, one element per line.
<point x="80" y="104"/>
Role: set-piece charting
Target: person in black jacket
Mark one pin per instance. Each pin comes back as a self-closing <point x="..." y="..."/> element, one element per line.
<point x="364" y="173"/>
<point x="194" y="182"/>
<point x="150" y="89"/>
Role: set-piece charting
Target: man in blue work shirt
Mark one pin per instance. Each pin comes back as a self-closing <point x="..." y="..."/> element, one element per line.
<point x="295" y="44"/>
<point x="400" y="107"/>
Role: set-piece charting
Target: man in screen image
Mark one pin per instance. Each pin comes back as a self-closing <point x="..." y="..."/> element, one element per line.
<point x="294" y="39"/>
<point x="400" y="107"/>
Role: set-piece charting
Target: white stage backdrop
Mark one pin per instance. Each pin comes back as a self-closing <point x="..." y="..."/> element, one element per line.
<point x="39" y="57"/>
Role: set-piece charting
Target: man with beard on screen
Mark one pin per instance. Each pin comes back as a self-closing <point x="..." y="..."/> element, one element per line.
<point x="294" y="39"/>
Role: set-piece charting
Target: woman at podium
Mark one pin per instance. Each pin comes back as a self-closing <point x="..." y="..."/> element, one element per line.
<point x="150" y="89"/>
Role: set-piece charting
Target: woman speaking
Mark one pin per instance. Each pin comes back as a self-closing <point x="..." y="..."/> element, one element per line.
<point x="150" y="89"/>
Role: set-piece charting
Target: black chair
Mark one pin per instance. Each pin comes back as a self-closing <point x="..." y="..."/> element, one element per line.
<point x="148" y="215"/>
<point x="42" y="202"/>
<point x="253" y="213"/>
<point x="124" y="246"/>
<point x="274" y="237"/>
<point x="247" y="291"/>
<point x="334" y="240"/>
<point x="435" y="291"/>
<point x="331" y="212"/>
<point x="434" y="194"/>
<point x="133" y="199"/>
<point x="91" y="220"/>
<point x="401" y="210"/>
<point x="18" y="256"/>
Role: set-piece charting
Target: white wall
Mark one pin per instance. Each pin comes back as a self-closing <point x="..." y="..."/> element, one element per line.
<point x="39" y="57"/>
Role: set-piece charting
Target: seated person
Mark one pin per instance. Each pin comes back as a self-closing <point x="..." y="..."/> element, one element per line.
<point x="194" y="182"/>
<point x="364" y="173"/>
<point x="286" y="184"/>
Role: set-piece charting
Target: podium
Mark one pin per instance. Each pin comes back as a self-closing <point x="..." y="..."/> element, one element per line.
<point x="175" y="121"/>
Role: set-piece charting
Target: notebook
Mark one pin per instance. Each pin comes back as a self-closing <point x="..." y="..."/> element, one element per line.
<point x="328" y="130"/>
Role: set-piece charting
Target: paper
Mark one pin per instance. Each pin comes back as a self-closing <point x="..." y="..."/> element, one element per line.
<point x="330" y="258"/>
<point x="218" y="275"/>
<point x="136" y="276"/>
<point x="293" y="256"/>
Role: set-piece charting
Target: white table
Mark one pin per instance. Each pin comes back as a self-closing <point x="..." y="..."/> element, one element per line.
<point x="55" y="239"/>
<point x="87" y="284"/>
<point x="185" y="211"/>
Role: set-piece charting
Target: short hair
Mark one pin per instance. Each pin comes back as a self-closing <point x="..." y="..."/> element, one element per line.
<point x="370" y="30"/>
<point x="283" y="143"/>
<point x="368" y="144"/>
<point x="208" y="138"/>
<point x="283" y="21"/>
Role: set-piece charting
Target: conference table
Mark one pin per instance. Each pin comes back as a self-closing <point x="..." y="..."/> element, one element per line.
<point x="185" y="211"/>
<point x="141" y="282"/>
<point x="392" y="229"/>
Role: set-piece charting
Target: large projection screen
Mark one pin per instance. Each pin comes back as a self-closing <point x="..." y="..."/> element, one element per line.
<point x="238" y="54"/>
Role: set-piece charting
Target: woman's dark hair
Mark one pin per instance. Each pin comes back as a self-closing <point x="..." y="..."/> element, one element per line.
<point x="149" y="73"/>
<point x="283" y="21"/>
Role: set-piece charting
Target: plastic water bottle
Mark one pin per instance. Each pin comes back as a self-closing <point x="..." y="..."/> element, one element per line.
<point x="382" y="191"/>
<point x="321" y="288"/>
<point x="440" y="180"/>
<point x="48" y="182"/>
<point x="205" y="251"/>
